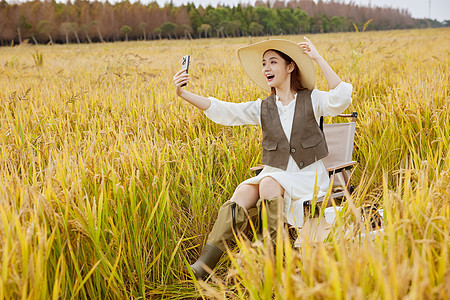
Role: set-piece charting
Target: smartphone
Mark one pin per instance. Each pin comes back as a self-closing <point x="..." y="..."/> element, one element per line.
<point x="185" y="65"/>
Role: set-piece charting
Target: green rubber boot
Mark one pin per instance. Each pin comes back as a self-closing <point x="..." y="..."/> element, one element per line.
<point x="231" y="220"/>
<point x="207" y="261"/>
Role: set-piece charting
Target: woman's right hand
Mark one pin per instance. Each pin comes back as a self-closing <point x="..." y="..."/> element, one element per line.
<point x="198" y="101"/>
<point x="179" y="79"/>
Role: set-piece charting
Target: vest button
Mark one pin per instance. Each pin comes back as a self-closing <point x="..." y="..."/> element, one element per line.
<point x="301" y="164"/>
<point x="293" y="150"/>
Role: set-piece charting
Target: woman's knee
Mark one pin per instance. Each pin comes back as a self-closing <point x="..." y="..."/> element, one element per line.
<point x="246" y="195"/>
<point x="270" y="188"/>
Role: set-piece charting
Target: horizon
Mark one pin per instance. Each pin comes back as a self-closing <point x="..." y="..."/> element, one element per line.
<point x="419" y="9"/>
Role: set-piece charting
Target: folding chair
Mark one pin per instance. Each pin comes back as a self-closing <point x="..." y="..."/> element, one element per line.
<point x="340" y="139"/>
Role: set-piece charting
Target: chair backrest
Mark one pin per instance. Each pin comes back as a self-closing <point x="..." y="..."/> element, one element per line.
<point x="340" y="138"/>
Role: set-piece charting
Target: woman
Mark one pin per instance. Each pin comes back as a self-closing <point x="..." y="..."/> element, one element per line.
<point x="293" y="144"/>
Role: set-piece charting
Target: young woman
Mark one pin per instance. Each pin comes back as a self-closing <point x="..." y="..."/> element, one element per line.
<point x="293" y="144"/>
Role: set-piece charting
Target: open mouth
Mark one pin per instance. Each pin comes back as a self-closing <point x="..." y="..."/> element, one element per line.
<point x="270" y="77"/>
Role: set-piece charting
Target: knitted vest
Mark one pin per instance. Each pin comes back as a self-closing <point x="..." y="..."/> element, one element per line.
<point x="308" y="143"/>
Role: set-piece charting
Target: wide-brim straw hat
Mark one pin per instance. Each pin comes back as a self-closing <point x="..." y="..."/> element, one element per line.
<point x="251" y="60"/>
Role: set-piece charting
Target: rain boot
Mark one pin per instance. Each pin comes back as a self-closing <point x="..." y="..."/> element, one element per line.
<point x="231" y="220"/>
<point x="273" y="210"/>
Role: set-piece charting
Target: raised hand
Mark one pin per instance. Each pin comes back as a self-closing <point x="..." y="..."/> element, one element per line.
<point x="331" y="77"/>
<point x="309" y="49"/>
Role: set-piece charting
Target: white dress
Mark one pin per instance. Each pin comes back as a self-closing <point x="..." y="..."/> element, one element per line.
<point x="299" y="185"/>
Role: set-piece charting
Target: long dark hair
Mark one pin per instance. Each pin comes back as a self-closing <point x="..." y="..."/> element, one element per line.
<point x="296" y="85"/>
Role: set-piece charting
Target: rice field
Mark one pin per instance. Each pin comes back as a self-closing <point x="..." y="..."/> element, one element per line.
<point x="109" y="183"/>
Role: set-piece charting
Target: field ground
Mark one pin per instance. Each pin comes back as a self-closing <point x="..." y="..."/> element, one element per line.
<point x="109" y="184"/>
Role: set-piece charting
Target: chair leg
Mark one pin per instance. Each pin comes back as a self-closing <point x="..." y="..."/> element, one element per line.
<point x="332" y="178"/>
<point x="344" y="174"/>
<point x="346" y="180"/>
<point x="329" y="200"/>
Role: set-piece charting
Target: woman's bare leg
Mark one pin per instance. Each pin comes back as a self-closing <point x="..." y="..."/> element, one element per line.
<point x="270" y="188"/>
<point x="246" y="195"/>
<point x="271" y="195"/>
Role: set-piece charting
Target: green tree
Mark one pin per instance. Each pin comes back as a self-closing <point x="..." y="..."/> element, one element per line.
<point x="288" y="21"/>
<point x="215" y="17"/>
<point x="75" y="28"/>
<point x="238" y="14"/>
<point x="325" y="24"/>
<point x="234" y="27"/>
<point x="125" y="29"/>
<point x="268" y="18"/>
<point x="336" y="24"/>
<point x="231" y="27"/>
<point x="158" y="31"/>
<point x="317" y="25"/>
<point x="22" y="24"/>
<point x="96" y="24"/>
<point x="255" y="28"/>
<point x="143" y="27"/>
<point x="86" y="28"/>
<point x="220" y="29"/>
<point x="169" y="28"/>
<point x="187" y="29"/>
<point x="205" y="28"/>
<point x="195" y="18"/>
<point x="70" y="27"/>
<point x="44" y="27"/>
<point x="304" y="23"/>
<point x="66" y="28"/>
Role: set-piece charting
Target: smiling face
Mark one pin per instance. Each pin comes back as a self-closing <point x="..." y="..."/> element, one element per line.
<point x="276" y="70"/>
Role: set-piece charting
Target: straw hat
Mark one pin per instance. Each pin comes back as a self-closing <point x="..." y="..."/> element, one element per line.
<point x="251" y="60"/>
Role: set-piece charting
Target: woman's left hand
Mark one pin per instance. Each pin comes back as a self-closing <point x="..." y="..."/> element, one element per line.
<point x="309" y="49"/>
<point x="331" y="77"/>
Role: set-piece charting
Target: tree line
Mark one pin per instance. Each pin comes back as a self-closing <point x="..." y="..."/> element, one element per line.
<point x="86" y="22"/>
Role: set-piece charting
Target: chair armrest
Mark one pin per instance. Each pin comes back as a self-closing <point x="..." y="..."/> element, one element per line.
<point x="353" y="115"/>
<point x="256" y="168"/>
<point x="330" y="169"/>
<point x="339" y="168"/>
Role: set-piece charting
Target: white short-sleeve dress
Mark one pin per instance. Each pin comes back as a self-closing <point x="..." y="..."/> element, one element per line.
<point x="299" y="185"/>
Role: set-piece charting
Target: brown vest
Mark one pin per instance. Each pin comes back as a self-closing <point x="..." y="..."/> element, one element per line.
<point x="308" y="142"/>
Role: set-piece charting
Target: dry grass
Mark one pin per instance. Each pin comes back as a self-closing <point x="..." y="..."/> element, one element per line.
<point x="109" y="183"/>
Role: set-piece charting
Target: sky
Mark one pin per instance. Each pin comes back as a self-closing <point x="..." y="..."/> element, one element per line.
<point x="440" y="9"/>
